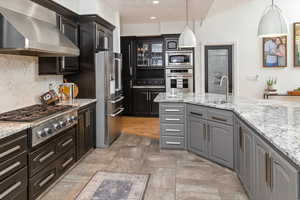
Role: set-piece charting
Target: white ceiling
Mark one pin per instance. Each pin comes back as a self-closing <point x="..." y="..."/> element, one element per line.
<point x="140" y="11"/>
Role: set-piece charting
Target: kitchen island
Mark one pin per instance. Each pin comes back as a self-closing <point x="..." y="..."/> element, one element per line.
<point x="259" y="139"/>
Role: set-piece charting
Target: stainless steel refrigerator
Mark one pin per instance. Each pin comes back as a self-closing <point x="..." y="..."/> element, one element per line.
<point x="109" y="97"/>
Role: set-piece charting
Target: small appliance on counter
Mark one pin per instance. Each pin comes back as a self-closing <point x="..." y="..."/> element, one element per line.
<point x="49" y="97"/>
<point x="68" y="91"/>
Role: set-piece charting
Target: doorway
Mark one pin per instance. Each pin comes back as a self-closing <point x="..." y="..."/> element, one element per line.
<point x="218" y="63"/>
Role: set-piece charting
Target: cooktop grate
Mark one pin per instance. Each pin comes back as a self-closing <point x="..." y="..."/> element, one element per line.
<point x="33" y="113"/>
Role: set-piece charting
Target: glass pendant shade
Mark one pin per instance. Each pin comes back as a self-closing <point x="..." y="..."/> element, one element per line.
<point x="272" y="23"/>
<point x="187" y="38"/>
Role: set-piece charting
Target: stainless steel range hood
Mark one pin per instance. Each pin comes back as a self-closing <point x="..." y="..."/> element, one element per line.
<point x="24" y="35"/>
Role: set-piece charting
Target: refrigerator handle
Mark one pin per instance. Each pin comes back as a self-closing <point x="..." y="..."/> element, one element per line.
<point x="117" y="113"/>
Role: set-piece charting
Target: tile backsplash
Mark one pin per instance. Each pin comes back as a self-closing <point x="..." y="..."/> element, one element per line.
<point x="20" y="84"/>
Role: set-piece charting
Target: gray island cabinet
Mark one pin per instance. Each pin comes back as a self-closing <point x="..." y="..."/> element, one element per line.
<point x="210" y="134"/>
<point x="223" y="136"/>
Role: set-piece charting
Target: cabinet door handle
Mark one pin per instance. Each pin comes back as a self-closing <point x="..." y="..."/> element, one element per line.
<point x="204" y="132"/>
<point x="271" y="172"/>
<point x="3" y="172"/>
<point x="10" y="189"/>
<point x="208" y="133"/>
<point x="48" y="155"/>
<point x="46" y="180"/>
<point x="170" y="119"/>
<point x="67" y="162"/>
<point x="241" y="139"/>
<point x="172" y="130"/>
<point x="267" y="168"/>
<point x="173" y="143"/>
<point x="131" y="83"/>
<point x="129" y="55"/>
<point x="219" y="119"/>
<point x="198" y="114"/>
<point x="10" y="151"/>
<point x="67" y="142"/>
<point x="87" y="119"/>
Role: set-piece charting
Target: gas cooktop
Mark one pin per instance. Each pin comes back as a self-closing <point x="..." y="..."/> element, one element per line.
<point x="33" y="113"/>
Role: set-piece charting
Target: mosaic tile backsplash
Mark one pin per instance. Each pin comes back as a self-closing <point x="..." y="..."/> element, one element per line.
<point x="20" y="84"/>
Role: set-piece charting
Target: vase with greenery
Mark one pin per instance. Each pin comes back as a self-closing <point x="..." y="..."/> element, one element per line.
<point x="271" y="82"/>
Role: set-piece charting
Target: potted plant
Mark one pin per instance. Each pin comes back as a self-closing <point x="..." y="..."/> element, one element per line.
<point x="270" y="84"/>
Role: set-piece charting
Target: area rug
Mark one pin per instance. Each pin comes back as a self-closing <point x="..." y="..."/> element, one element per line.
<point x="115" y="186"/>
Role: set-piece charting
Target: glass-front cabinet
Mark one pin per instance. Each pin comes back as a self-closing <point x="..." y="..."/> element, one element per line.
<point x="149" y="54"/>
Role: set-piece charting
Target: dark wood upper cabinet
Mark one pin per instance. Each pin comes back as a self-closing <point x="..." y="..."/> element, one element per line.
<point x="104" y="38"/>
<point x="62" y="65"/>
<point x="92" y="29"/>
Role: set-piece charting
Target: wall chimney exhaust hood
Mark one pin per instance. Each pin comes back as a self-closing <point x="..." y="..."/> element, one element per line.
<point x="24" y="35"/>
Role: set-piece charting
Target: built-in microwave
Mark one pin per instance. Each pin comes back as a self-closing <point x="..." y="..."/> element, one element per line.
<point x="179" y="59"/>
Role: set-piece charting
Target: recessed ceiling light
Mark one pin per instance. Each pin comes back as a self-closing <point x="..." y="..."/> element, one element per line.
<point x="153" y="18"/>
<point x="155" y="2"/>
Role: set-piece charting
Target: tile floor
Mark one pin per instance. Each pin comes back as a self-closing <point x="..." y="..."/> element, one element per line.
<point x="175" y="175"/>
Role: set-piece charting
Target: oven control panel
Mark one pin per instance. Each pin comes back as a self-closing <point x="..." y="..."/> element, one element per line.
<point x="53" y="126"/>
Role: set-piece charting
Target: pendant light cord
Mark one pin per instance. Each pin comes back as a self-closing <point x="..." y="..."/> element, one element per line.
<point x="187" y="12"/>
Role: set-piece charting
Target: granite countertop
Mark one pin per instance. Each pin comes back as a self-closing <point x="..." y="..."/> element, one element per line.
<point x="79" y="102"/>
<point x="10" y="128"/>
<point x="276" y="121"/>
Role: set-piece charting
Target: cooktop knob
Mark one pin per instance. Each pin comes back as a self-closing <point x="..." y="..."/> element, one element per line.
<point x="70" y="120"/>
<point x="73" y="118"/>
<point x="62" y="123"/>
<point x="56" y="126"/>
<point x="41" y="134"/>
<point x="47" y="131"/>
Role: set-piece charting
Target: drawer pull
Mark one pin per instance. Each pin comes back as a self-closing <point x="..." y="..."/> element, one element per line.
<point x="172" y="110"/>
<point x="16" y="148"/>
<point x="46" y="156"/>
<point x="173" y="143"/>
<point x="172" y="130"/>
<point x="46" y="180"/>
<point x="9" y="190"/>
<point x="3" y="172"/>
<point x="219" y="119"/>
<point x="199" y="114"/>
<point x="67" y="162"/>
<point x="170" y="119"/>
<point x="67" y="142"/>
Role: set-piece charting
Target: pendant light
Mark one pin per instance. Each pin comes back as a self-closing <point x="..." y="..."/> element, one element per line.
<point x="272" y="23"/>
<point x="187" y="38"/>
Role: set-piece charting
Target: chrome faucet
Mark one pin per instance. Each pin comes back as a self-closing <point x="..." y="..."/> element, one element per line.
<point x="227" y="85"/>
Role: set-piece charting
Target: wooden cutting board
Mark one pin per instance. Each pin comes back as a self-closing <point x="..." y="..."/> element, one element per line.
<point x="294" y="93"/>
